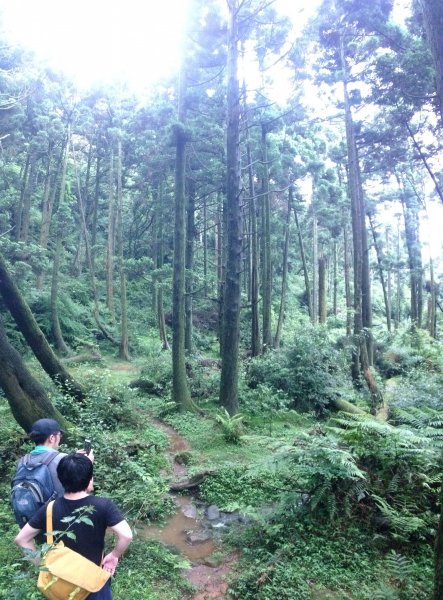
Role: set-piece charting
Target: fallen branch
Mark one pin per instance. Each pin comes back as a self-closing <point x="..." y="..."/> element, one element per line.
<point x="190" y="483"/>
<point x="85" y="357"/>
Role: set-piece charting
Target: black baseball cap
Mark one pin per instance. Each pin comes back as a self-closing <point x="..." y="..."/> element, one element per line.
<point x="45" y="427"/>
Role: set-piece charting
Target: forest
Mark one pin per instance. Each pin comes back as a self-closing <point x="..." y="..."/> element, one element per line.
<point x="233" y="286"/>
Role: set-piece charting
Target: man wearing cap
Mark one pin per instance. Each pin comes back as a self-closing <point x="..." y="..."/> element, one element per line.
<point x="46" y="435"/>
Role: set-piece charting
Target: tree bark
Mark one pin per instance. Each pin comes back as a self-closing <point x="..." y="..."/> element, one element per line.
<point x="379" y="255"/>
<point x="89" y="257"/>
<point x="433" y="20"/>
<point x="411" y="219"/>
<point x="362" y="308"/>
<point x="254" y="284"/>
<point x="303" y="257"/>
<point x="231" y="307"/>
<point x="335" y="278"/>
<point x="111" y="234"/>
<point x="189" y="263"/>
<point x="159" y="266"/>
<point x="18" y="214"/>
<point x="59" y="341"/>
<point x="266" y="246"/>
<point x="322" y="310"/>
<point x="26" y="396"/>
<point x="284" y="280"/>
<point x="347" y="268"/>
<point x="124" y="338"/>
<point x="31" y="331"/>
<point x="49" y="195"/>
<point x="180" y="389"/>
<point x="314" y="269"/>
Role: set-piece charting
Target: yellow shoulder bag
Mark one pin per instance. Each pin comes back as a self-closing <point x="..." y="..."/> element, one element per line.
<point x="65" y="574"/>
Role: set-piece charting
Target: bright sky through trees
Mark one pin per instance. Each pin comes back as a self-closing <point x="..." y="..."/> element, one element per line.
<point x="137" y="41"/>
<point x="133" y="41"/>
<point x="100" y="40"/>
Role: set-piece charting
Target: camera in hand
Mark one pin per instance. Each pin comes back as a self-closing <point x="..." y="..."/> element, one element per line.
<point x="87" y="446"/>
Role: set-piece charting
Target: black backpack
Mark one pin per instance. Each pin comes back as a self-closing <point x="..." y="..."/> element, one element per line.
<point x="32" y="486"/>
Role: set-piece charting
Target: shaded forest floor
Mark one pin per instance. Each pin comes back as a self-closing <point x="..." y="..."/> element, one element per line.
<point x="267" y="544"/>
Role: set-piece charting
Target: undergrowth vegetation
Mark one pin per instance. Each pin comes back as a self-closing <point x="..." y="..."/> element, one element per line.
<point x="333" y="505"/>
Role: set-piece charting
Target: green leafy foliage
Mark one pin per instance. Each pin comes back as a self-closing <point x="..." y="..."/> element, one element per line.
<point x="231" y="425"/>
<point x="232" y="488"/>
<point x="301" y="561"/>
<point x="309" y="370"/>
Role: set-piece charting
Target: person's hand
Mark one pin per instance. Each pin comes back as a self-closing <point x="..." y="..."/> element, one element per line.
<point x="110" y="563"/>
<point x="90" y="455"/>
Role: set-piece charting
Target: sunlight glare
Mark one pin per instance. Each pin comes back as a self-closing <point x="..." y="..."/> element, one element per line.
<point x="92" y="41"/>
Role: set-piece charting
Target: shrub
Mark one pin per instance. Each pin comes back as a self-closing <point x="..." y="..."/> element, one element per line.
<point x="232" y="426"/>
<point x="310" y="370"/>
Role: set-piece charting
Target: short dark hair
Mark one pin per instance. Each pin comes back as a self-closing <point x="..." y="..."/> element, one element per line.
<point x="42" y="429"/>
<point x="75" y="471"/>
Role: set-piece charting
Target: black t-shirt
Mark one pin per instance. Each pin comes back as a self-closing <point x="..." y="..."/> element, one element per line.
<point x="89" y="540"/>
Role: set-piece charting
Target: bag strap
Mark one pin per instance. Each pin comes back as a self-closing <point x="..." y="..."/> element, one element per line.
<point x="45" y="458"/>
<point x="49" y="537"/>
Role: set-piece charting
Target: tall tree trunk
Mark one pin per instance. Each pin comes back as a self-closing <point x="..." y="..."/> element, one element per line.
<point x="124" y="338"/>
<point x="303" y="256"/>
<point x="379" y="255"/>
<point x="46" y="215"/>
<point x="89" y="256"/>
<point x="314" y="269"/>
<point x="94" y="217"/>
<point x="362" y="309"/>
<point x="26" y="396"/>
<point x="189" y="263"/>
<point x="411" y="219"/>
<point x="322" y="310"/>
<point x="398" y="277"/>
<point x="221" y="264"/>
<point x="432" y="305"/>
<point x="159" y="260"/>
<point x="347" y="268"/>
<point x="284" y="280"/>
<point x="433" y="20"/>
<point x="18" y="213"/>
<point x="266" y="246"/>
<point x="111" y="235"/>
<point x="205" y="247"/>
<point x="389" y="274"/>
<point x="60" y="344"/>
<point x="231" y="308"/>
<point x="27" y="201"/>
<point x="31" y="331"/>
<point x="335" y="278"/>
<point x="180" y="390"/>
<point x="254" y="287"/>
<point x="59" y="341"/>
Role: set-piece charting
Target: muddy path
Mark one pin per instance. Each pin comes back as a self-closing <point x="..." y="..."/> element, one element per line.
<point x="187" y="530"/>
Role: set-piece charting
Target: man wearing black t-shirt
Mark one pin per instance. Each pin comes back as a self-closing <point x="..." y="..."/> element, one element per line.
<point x="75" y="472"/>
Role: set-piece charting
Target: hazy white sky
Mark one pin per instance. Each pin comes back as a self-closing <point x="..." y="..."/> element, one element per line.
<point x="101" y="40"/>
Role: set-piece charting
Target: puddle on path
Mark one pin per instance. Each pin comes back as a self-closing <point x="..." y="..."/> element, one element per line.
<point x="175" y="531"/>
<point x="209" y="580"/>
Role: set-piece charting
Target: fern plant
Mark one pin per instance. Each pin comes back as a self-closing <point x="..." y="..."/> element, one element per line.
<point x="232" y="426"/>
<point x="320" y="472"/>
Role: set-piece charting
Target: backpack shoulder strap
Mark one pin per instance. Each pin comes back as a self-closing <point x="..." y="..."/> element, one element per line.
<point x="48" y="459"/>
<point x="45" y="458"/>
<point x="49" y="536"/>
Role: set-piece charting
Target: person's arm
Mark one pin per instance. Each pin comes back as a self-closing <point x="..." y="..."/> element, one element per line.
<point x="124" y="538"/>
<point x="25" y="539"/>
